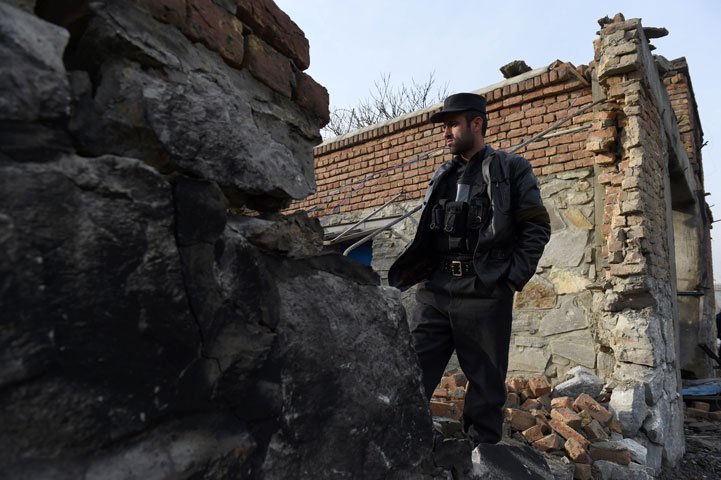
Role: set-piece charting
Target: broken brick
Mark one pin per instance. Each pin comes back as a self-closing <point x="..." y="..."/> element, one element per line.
<point x="516" y="384"/>
<point x="562" y="402"/>
<point x="534" y="433"/>
<point x="576" y="451"/>
<point x="445" y="409"/>
<point x="531" y="404"/>
<point x="595" y="431"/>
<point x="548" y="443"/>
<point x="567" y="416"/>
<point x="539" y="386"/>
<point x="582" y="471"/>
<point x="520" y="420"/>
<point x="512" y="399"/>
<point x="595" y="409"/>
<point x="609" y="451"/>
<point x="568" y="432"/>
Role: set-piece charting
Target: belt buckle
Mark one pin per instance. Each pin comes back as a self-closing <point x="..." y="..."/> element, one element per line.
<point x="456" y="268"/>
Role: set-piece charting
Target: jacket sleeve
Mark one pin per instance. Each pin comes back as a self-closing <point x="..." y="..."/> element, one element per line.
<point x="532" y="225"/>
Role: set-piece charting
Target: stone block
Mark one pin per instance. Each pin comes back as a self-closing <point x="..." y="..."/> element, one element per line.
<point x="578" y="347"/>
<point x="569" y="317"/>
<point x="536" y="295"/>
<point x="276" y="28"/>
<point x="212" y="25"/>
<point x="528" y="359"/>
<point x="566" y="281"/>
<point x="312" y="96"/>
<point x="519" y="419"/>
<point x="32" y="74"/>
<point x="173" y="12"/>
<point x="565" y="248"/>
<point x="576" y="451"/>
<point x="606" y="470"/>
<point x="611" y="451"/>
<point x="567" y="416"/>
<point x="597" y="411"/>
<point x="568" y="432"/>
<point x="638" y="452"/>
<point x="629" y="403"/>
<point x="580" y="380"/>
<point x="549" y="443"/>
<point x="269" y="66"/>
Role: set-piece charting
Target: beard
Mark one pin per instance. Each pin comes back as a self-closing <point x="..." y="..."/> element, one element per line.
<point x="463" y="143"/>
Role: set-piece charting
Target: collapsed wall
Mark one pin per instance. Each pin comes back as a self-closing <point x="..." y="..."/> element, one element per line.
<point x="147" y="333"/>
<point x="624" y="285"/>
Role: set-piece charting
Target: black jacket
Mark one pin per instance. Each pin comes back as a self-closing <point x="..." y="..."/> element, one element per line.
<point x="508" y="249"/>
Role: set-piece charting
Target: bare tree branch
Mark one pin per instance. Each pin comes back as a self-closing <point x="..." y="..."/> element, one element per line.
<point x="385" y="103"/>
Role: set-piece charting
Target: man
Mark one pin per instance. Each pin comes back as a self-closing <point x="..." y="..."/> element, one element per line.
<point x="482" y="231"/>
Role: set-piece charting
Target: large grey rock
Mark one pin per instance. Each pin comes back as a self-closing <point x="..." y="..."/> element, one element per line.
<point x="605" y="470"/>
<point x="638" y="451"/>
<point x="579" y="380"/>
<point x="565" y="248"/>
<point x="509" y="459"/>
<point x="33" y="81"/>
<point x="96" y="338"/>
<point x="628" y="402"/>
<point x="213" y="446"/>
<point x="349" y="377"/>
<point x="199" y="116"/>
<point x="567" y="318"/>
<point x="578" y="347"/>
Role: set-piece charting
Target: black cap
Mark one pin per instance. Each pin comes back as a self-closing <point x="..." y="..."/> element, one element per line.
<point x="460" y="102"/>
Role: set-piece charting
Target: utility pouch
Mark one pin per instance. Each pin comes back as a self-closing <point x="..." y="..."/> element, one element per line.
<point x="438" y="215"/>
<point x="479" y="212"/>
<point x="456" y="214"/>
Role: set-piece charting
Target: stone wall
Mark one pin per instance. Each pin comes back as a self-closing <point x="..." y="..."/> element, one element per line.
<point x="622" y="286"/>
<point x="145" y="331"/>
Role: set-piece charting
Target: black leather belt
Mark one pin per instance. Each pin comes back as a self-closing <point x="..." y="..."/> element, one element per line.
<point x="458" y="267"/>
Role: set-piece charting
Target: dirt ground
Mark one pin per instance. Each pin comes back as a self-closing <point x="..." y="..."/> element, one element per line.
<point x="703" y="452"/>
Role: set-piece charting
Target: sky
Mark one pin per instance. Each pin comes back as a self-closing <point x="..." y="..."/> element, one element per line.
<point x="464" y="43"/>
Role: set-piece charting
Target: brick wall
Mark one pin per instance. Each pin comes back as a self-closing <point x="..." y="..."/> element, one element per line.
<point x="391" y="157"/>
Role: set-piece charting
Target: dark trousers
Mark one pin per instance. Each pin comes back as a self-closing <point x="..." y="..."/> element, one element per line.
<point x="458" y="313"/>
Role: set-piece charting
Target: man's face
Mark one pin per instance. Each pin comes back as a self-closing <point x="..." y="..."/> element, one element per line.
<point x="459" y="135"/>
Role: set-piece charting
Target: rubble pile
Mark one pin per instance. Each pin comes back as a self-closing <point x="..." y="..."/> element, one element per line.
<point x="572" y="422"/>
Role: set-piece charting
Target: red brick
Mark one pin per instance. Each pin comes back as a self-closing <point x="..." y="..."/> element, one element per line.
<point x="445" y="409"/>
<point x="582" y="471"/>
<point x="568" y="432"/>
<point x="704" y="406"/>
<point x="539" y="386"/>
<point x="595" y="409"/>
<point x="275" y="27"/>
<point x="567" y="416"/>
<point x="531" y="404"/>
<point x="269" y="66"/>
<point x="549" y="443"/>
<point x="519" y="419"/>
<point x="534" y="433"/>
<point x="594" y="431"/>
<point x="312" y="96"/>
<point x="512" y="399"/>
<point x="217" y="29"/>
<point x="516" y="384"/>
<point x="562" y="402"/>
<point x="617" y="455"/>
<point x="695" y="412"/>
<point x="576" y="451"/>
